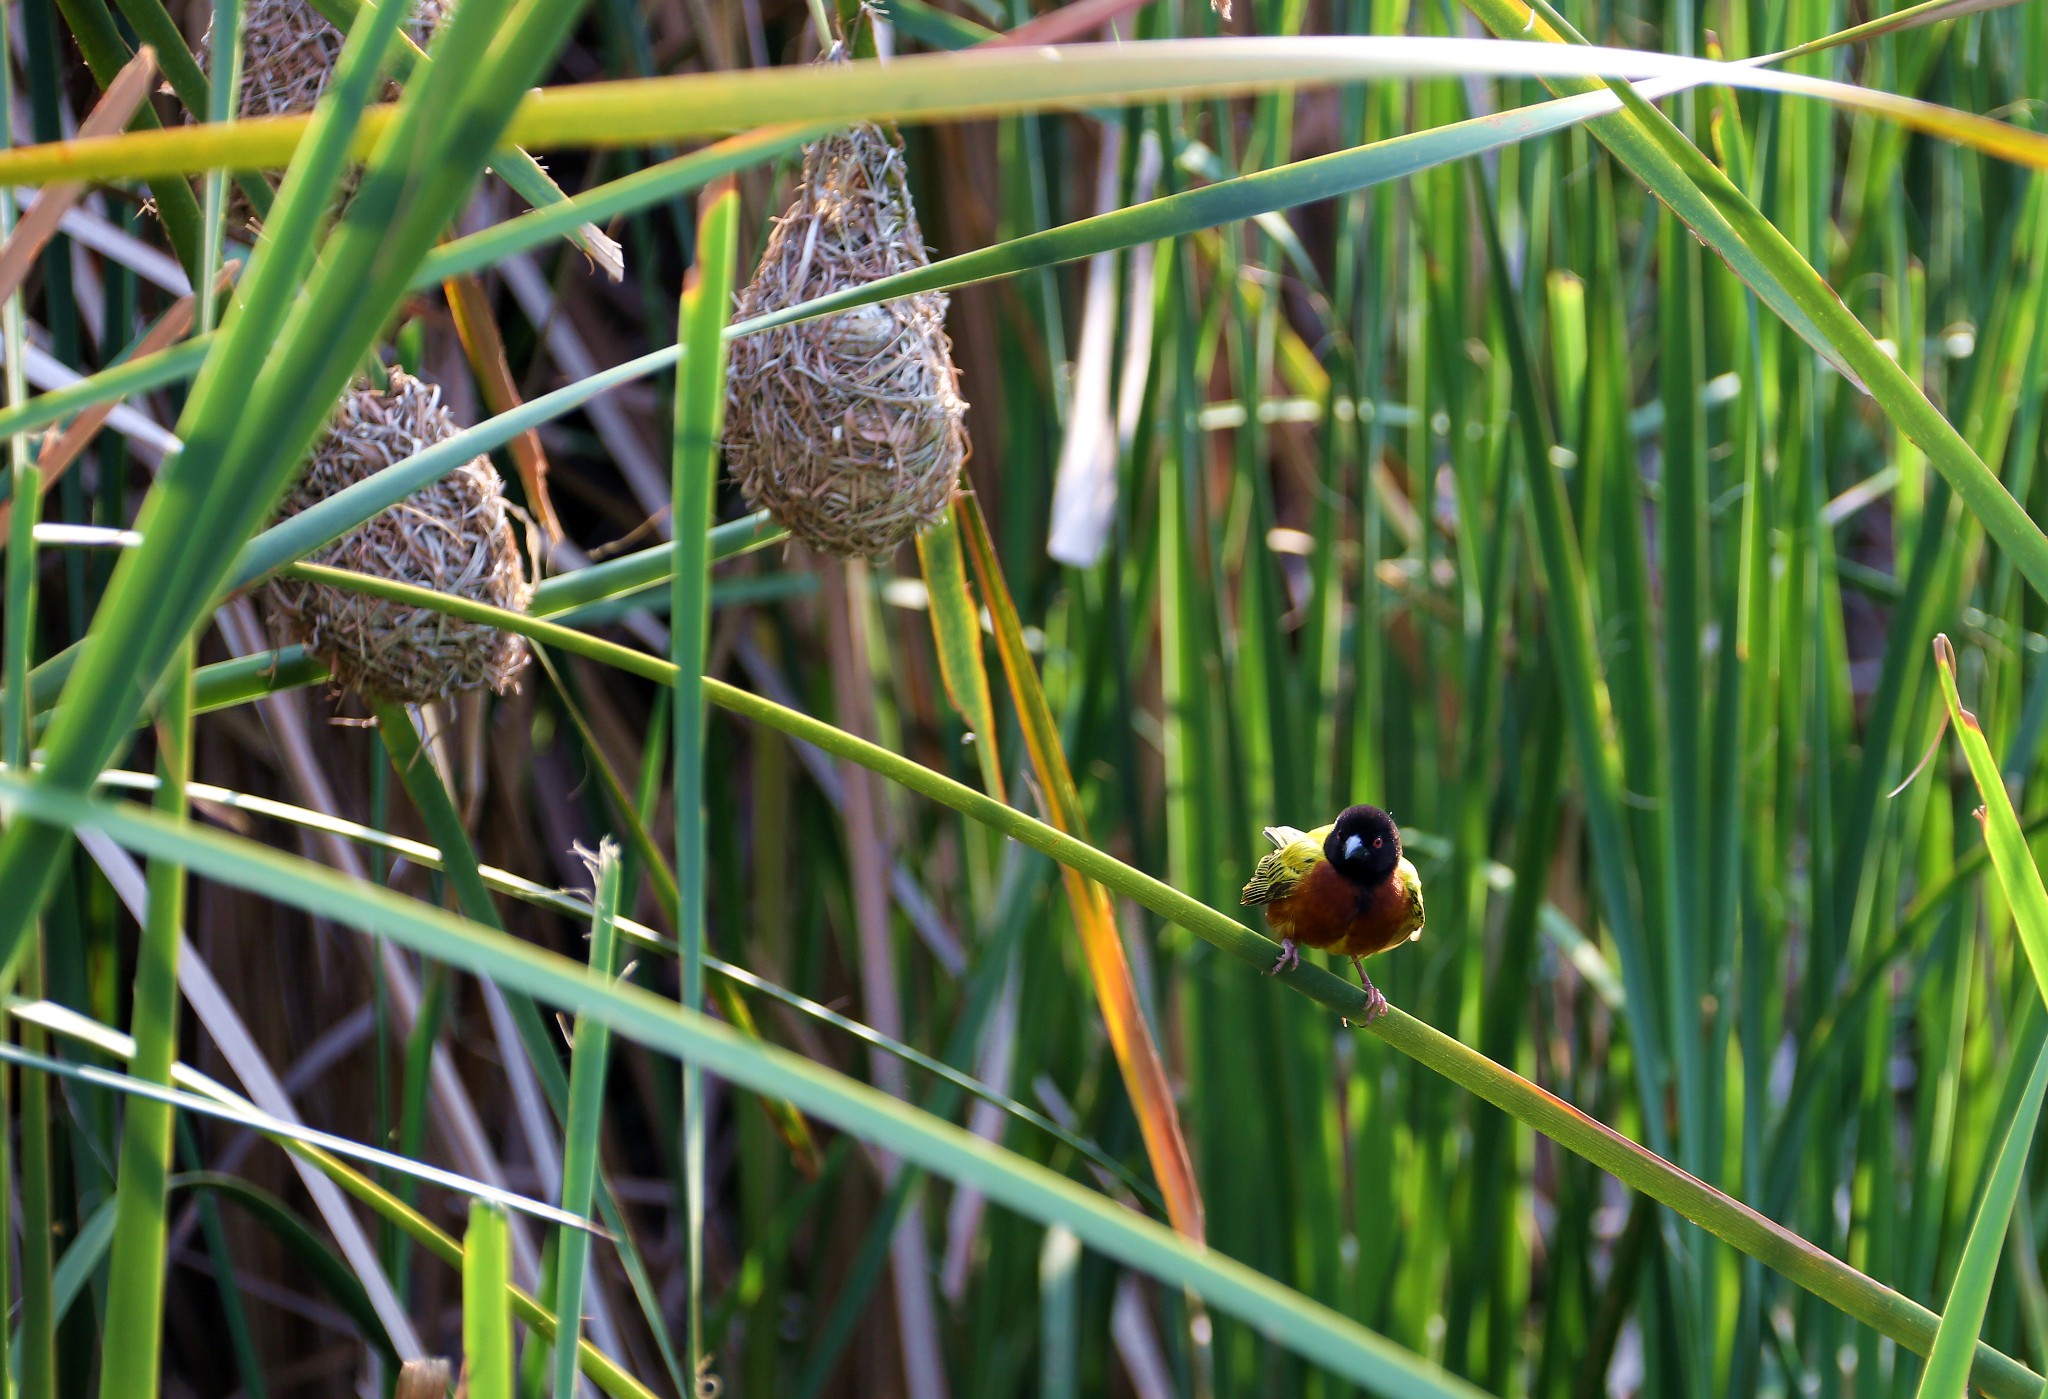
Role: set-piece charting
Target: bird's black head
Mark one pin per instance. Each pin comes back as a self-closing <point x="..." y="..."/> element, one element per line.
<point x="1364" y="845"/>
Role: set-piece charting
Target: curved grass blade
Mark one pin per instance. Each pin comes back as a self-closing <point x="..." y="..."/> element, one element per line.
<point x="307" y="1249"/>
<point x="2018" y="876"/>
<point x="1948" y="1368"/>
<point x="277" y="1128"/>
<point x="1304" y="1325"/>
<point x="511" y="164"/>
<point x="88" y="1251"/>
<point x="992" y="81"/>
<point x="647" y="939"/>
<point x="632" y="573"/>
<point x="298" y="334"/>
<point x="598" y="1367"/>
<point x="1870" y="1302"/>
<point x="1677" y="172"/>
<point x="661" y="878"/>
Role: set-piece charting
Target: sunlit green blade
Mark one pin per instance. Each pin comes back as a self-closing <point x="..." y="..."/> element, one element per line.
<point x="983" y="83"/>
<point x="1948" y="1368"/>
<point x="486" y="1317"/>
<point x="1317" y="1332"/>
<point x="582" y="1128"/>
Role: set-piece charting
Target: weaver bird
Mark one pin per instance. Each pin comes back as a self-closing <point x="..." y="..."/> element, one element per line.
<point x="1342" y="888"/>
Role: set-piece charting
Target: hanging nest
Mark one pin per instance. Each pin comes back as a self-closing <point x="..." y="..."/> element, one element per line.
<point x="848" y="429"/>
<point x="289" y="50"/>
<point x="288" y="55"/>
<point x="455" y="537"/>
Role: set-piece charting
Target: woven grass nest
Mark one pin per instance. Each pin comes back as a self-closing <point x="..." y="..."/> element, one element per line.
<point x="289" y="50"/>
<point x="456" y="536"/>
<point x="847" y="429"/>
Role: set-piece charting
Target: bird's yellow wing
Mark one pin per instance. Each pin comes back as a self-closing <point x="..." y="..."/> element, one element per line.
<point x="1411" y="888"/>
<point x="1295" y="853"/>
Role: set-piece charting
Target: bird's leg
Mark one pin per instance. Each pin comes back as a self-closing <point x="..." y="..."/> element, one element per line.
<point x="1375" y="1003"/>
<point x="1288" y="958"/>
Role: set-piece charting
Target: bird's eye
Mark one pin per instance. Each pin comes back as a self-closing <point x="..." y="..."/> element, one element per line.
<point x="1377" y="842"/>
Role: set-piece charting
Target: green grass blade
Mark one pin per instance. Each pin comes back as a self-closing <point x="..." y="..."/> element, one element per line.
<point x="1059" y="1311"/>
<point x="956" y="632"/>
<point x="279" y="1129"/>
<point x="1948" y="1368"/>
<point x="2018" y="876"/>
<point x="699" y="429"/>
<point x="1678" y="173"/>
<point x="486" y="1315"/>
<point x="1778" y="1248"/>
<point x="599" y="1368"/>
<point x="128" y="377"/>
<point x="584" y="1127"/>
<point x="1123" y="1015"/>
<point x="136" y="1281"/>
<point x="993" y="81"/>
<point x="268" y="388"/>
<point x="1314" y="1330"/>
<point x="646" y="939"/>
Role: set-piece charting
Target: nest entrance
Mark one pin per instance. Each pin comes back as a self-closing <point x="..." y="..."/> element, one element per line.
<point x="848" y="429"/>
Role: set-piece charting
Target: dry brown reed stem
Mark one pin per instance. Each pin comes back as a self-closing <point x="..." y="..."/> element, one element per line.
<point x="849" y="428"/>
<point x="455" y="537"/>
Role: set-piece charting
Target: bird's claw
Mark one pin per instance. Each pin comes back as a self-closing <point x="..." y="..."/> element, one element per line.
<point x="1289" y="958"/>
<point x="1375" y="1005"/>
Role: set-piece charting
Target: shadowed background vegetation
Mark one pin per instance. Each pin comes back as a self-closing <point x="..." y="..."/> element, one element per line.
<point x="1521" y="478"/>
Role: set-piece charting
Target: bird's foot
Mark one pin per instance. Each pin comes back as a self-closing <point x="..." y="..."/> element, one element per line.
<point x="1375" y="1003"/>
<point x="1288" y="959"/>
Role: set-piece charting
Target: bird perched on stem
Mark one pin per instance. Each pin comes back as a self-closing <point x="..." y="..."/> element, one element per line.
<point x="1342" y="888"/>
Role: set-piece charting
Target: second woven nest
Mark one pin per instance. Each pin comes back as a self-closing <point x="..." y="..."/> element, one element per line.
<point x="848" y="429"/>
<point x="456" y="536"/>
